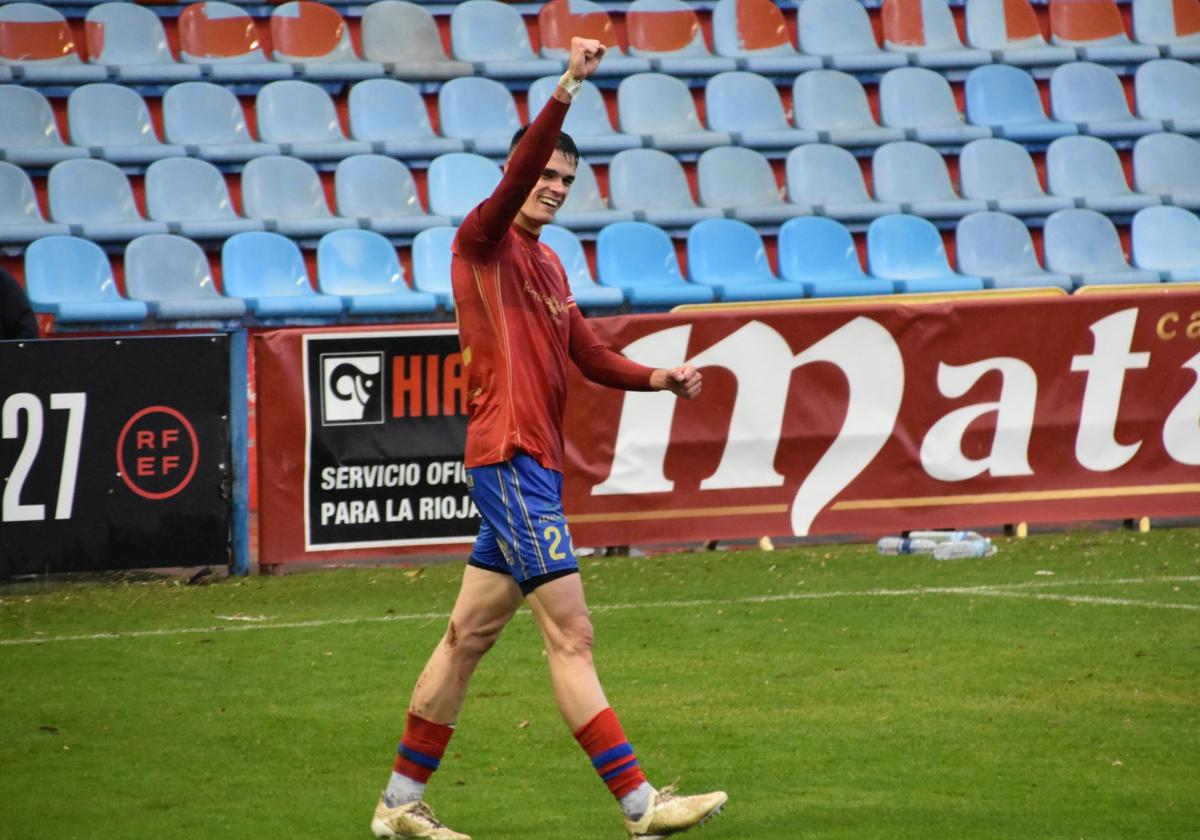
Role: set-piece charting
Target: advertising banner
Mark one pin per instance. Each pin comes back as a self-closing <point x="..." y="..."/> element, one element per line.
<point x="115" y="453"/>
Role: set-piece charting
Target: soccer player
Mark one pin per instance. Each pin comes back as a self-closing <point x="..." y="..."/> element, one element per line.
<point x="518" y="325"/>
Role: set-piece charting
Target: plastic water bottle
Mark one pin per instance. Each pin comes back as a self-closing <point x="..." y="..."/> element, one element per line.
<point x="962" y="549"/>
<point x="945" y="536"/>
<point x="901" y="545"/>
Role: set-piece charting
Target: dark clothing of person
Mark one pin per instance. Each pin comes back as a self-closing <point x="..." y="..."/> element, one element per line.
<point x="16" y="315"/>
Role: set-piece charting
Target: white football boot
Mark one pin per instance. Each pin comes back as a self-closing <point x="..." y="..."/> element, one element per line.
<point x="670" y="813"/>
<point x="412" y="819"/>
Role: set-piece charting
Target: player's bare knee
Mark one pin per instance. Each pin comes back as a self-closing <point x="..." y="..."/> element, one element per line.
<point x="470" y="641"/>
<point x="575" y="637"/>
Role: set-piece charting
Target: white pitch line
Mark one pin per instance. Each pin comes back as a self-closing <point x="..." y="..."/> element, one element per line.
<point x="999" y="590"/>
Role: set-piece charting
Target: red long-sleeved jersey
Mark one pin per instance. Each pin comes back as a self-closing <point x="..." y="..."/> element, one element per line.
<point x="518" y="322"/>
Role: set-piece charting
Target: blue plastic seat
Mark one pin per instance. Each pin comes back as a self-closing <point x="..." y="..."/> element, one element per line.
<point x="1006" y="100"/>
<point x="115" y="122"/>
<point x="21" y="218"/>
<point x="652" y="184"/>
<point x="1091" y="95"/>
<point x="95" y="198"/>
<point x="820" y="253"/>
<point x="286" y="193"/>
<point x="480" y="112"/>
<point x="989" y="28"/>
<point x="28" y="133"/>
<point x="920" y="101"/>
<point x="302" y="119"/>
<point x="647" y="39"/>
<point x="458" y="181"/>
<point x="587" y="121"/>
<point x="49" y="57"/>
<point x="915" y="175"/>
<point x="133" y="43"/>
<point x="173" y="276"/>
<point x="909" y="251"/>
<point x="361" y="267"/>
<point x="747" y="106"/>
<point x="741" y="182"/>
<point x="834" y="104"/>
<point x="1096" y="29"/>
<point x="1167" y="240"/>
<point x="1084" y="244"/>
<point x="71" y="279"/>
<point x="208" y="119"/>
<point x="775" y="56"/>
<point x="1169" y="90"/>
<point x="431" y="264"/>
<point x="829" y="179"/>
<point x="191" y="196"/>
<point x="729" y="256"/>
<point x="1154" y="23"/>
<point x="404" y="38"/>
<point x="267" y="271"/>
<point x="1002" y="173"/>
<point x="660" y="108"/>
<point x="315" y="40"/>
<point x="926" y="32"/>
<point x="1168" y="165"/>
<point x="840" y="31"/>
<point x="998" y="248"/>
<point x="561" y="20"/>
<point x="392" y="117"/>
<point x="639" y="259"/>
<point x="380" y="192"/>
<point x="1088" y="169"/>
<point x="493" y="37"/>
<point x="588" y="294"/>
<point x="585" y="208"/>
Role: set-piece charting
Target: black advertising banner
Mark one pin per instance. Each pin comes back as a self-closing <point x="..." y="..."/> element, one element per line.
<point x="115" y="453"/>
<point x="386" y="426"/>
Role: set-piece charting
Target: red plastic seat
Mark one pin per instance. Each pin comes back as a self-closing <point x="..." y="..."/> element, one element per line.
<point x="217" y="30"/>
<point x="33" y="32"/>
<point x="560" y="20"/>
<point x="308" y="30"/>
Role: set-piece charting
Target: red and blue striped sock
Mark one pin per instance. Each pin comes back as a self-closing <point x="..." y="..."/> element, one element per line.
<point x="604" y="741"/>
<point x="420" y="753"/>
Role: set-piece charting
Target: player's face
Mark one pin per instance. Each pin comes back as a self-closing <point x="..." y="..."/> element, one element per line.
<point x="549" y="194"/>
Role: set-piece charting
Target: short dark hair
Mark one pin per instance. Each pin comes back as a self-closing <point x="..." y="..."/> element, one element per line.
<point x="564" y="144"/>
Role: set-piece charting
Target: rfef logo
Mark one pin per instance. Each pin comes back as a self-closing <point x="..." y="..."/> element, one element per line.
<point x="157" y="452"/>
<point x="351" y="389"/>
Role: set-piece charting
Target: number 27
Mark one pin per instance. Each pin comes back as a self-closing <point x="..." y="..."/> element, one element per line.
<point x="555" y="536"/>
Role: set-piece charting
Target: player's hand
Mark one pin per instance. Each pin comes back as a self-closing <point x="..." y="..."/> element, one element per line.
<point x="585" y="57"/>
<point x="683" y="381"/>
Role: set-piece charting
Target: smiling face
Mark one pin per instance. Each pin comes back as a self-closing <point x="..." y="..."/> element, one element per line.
<point x="549" y="194"/>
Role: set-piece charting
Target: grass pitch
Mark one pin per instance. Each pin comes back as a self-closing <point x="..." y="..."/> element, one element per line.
<point x="1050" y="691"/>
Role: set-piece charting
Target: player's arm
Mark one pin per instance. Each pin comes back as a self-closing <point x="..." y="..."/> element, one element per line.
<point x="602" y="365"/>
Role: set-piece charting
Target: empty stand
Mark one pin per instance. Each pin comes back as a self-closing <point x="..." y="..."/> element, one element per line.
<point x="493" y="37"/>
<point x="1006" y="100"/>
<point x="1001" y="173"/>
<point x="1097" y="30"/>
<point x="840" y="31"/>
<point x="208" y="120"/>
<point x="998" y="248"/>
<point x="829" y="179"/>
<point x="915" y="176"/>
<point x="747" y="106"/>
<point x="21" y="218"/>
<point x="223" y="39"/>
<point x="587" y="293"/>
<point x="173" y="277"/>
<point x="668" y="32"/>
<point x="587" y="120"/>
<point x="834" y="104"/>
<point x="925" y="30"/>
<point x="267" y="271"/>
<point x="479" y="112"/>
<point x="286" y="193"/>
<point x="755" y="33"/>
<point x="28" y="133"/>
<point x="380" y="192"/>
<point x="114" y="122"/>
<point x="729" y="256"/>
<point x="921" y="101"/>
<point x="1087" y="169"/>
<point x="819" y="253"/>
<point x="458" y="181"/>
<point x="391" y="116"/>
<point x="37" y="43"/>
<point x="909" y="251"/>
<point x="190" y="195"/>
<point x="71" y="279"/>
<point x="431" y="264"/>
<point x="560" y="20"/>
<point x="1171" y="25"/>
<point x="1166" y="240"/>
<point x="652" y="184"/>
<point x="660" y="109"/>
<point x="1084" y="244"/>
<point x="301" y="118"/>
<point x="361" y="268"/>
<point x="1168" y="165"/>
<point x="130" y="39"/>
<point x="95" y="198"/>
<point x="314" y="38"/>
<point x="585" y="208"/>
<point x="1010" y="29"/>
<point x="1169" y="90"/>
<point x="740" y="182"/>
<point x="404" y="38"/>
<point x="639" y="259"/>
<point x="1091" y="94"/>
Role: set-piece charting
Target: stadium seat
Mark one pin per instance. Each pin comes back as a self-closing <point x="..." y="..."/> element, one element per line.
<point x="301" y="118"/>
<point x="1096" y="29"/>
<point x="925" y="30"/>
<point x="834" y="104"/>
<point x="587" y="121"/>
<point x="114" y="122"/>
<point x="404" y="38"/>
<point x="729" y="256"/>
<point x="920" y="101"/>
<point x="639" y="259"/>
<point x="998" y="248"/>
<point x="909" y="251"/>
<point x="431" y="264"/>
<point x="316" y="41"/>
<point x="223" y="39"/>
<point x="173" y="277"/>
<point x="267" y="271"/>
<point x="588" y="294"/>
<point x="492" y="36"/>
<point x="379" y="191"/>
<point x="560" y="20"/>
<point x="1084" y="244"/>
<point x="480" y="112"/>
<point x="191" y="197"/>
<point x="840" y="31"/>
<point x="286" y="193"/>
<point x="21" y="218"/>
<point x="661" y="109"/>
<point x="1001" y="173"/>
<point x="391" y="116"/>
<point x="1168" y="165"/>
<point x="652" y="184"/>
<point x="207" y="119"/>
<point x="458" y="181"/>
<point x="915" y="175"/>
<point x="829" y="179"/>
<point x="1091" y="94"/>
<point x="1169" y="90"/>
<point x="28" y="133"/>
<point x="740" y="182"/>
<point x="130" y="39"/>
<point x="747" y="106"/>
<point x="668" y="32"/>
<point x="585" y="208"/>
<point x="1167" y="240"/>
<point x="95" y="198"/>
<point x="71" y="279"/>
<point x="1088" y="169"/>
<point x="361" y="267"/>
<point x="820" y="253"/>
<point x="36" y="42"/>
<point x="755" y="33"/>
<point x="1171" y="25"/>
<point x="1011" y="31"/>
<point x="1006" y="100"/>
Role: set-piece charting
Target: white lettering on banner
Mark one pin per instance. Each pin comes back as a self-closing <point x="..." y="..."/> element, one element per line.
<point x="355" y="512"/>
<point x="1096" y="447"/>
<point x="942" y="449"/>
<point x="399" y="510"/>
<point x="446" y="507"/>
<point x="370" y="476"/>
<point x="1181" y="432"/>
<point x="445" y="472"/>
<point x="75" y="404"/>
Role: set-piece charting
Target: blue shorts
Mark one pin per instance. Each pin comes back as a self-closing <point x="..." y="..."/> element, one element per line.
<point x="524" y="532"/>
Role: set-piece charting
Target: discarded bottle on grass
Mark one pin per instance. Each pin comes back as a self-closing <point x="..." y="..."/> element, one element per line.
<point x="945" y="536"/>
<point x="963" y="549"/>
<point x="905" y="545"/>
